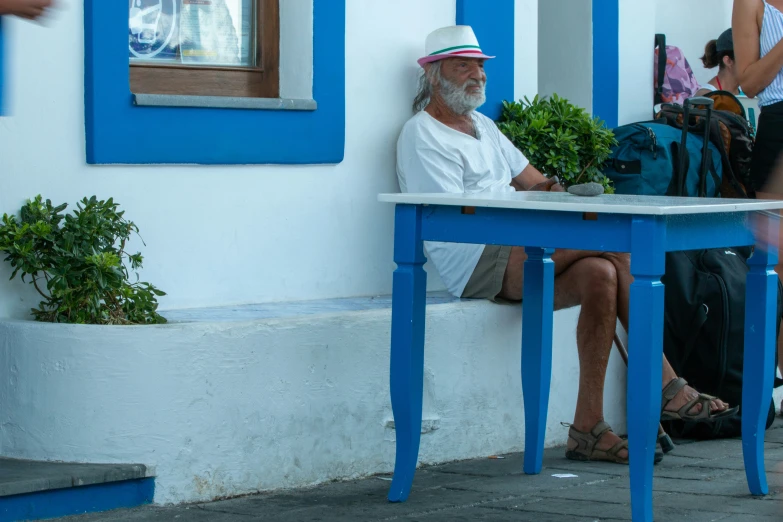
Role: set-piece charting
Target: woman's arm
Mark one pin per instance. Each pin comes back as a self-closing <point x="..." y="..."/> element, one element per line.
<point x="30" y="9"/>
<point x="754" y="73"/>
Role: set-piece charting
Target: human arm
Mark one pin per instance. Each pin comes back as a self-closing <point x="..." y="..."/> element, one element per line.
<point x="754" y="73"/>
<point x="530" y="179"/>
<point x="703" y="92"/>
<point x="28" y="9"/>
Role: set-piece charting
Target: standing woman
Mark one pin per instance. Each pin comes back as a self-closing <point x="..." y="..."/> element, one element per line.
<point x="758" y="49"/>
<point x="720" y="53"/>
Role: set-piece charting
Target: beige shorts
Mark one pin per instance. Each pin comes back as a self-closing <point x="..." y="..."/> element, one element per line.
<point x="487" y="279"/>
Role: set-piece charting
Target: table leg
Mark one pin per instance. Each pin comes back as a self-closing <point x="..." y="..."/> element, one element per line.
<point x="407" y="346"/>
<point x="645" y="358"/>
<point x="761" y="305"/>
<point x="537" y="351"/>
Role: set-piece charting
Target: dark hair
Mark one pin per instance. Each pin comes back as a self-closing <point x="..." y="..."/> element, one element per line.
<point x="712" y="58"/>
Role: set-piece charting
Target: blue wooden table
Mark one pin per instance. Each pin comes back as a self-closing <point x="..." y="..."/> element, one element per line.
<point x="645" y="226"/>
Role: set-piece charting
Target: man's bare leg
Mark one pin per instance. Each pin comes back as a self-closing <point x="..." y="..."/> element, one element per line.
<point x="622" y="264"/>
<point x="590" y="404"/>
<point x="591" y="281"/>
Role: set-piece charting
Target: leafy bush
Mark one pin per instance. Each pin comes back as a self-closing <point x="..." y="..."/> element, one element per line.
<point x="78" y="263"/>
<point x="559" y="138"/>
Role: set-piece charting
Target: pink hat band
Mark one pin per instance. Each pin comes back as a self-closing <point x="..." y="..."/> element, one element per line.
<point x="465" y="53"/>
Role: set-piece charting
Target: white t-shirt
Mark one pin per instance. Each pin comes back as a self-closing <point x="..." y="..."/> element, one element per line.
<point x="432" y="157"/>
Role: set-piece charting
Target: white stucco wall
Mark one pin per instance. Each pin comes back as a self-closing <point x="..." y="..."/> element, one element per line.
<point x="526" y="49"/>
<point x="637" y="37"/>
<point x="690" y="25"/>
<point x="565" y="50"/>
<point x="226" y="235"/>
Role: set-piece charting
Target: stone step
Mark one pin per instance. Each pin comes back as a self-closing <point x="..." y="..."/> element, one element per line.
<point x="35" y="490"/>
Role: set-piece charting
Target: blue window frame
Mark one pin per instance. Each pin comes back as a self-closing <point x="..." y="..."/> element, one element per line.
<point x="118" y="131"/>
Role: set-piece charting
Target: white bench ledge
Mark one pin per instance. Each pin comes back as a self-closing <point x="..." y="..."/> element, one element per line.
<point x="233" y="400"/>
<point x="281" y="310"/>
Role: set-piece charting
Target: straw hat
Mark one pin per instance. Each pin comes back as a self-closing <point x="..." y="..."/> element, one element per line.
<point x="449" y="42"/>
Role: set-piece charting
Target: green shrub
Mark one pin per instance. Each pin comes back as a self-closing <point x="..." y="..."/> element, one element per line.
<point x="559" y="138"/>
<point x="77" y="262"/>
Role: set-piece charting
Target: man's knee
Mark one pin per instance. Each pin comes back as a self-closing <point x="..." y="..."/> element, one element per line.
<point x="621" y="262"/>
<point x="598" y="280"/>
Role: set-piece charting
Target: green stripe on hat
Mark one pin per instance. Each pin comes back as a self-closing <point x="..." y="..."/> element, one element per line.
<point x="459" y="47"/>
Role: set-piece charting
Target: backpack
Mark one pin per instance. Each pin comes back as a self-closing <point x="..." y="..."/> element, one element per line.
<point x="645" y="162"/>
<point x="704" y="298"/>
<point x="732" y="135"/>
<point x="673" y="76"/>
<point x="704" y="317"/>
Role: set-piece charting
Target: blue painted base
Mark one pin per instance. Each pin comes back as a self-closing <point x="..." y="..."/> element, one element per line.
<point x="78" y="500"/>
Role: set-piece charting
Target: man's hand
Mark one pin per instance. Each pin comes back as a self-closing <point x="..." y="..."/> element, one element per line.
<point x="27" y="9"/>
<point x="550" y="185"/>
<point x="532" y="179"/>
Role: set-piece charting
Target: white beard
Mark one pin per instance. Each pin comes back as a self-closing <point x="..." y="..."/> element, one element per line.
<point x="457" y="97"/>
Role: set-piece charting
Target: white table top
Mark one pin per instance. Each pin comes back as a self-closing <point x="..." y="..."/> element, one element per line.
<point x="605" y="204"/>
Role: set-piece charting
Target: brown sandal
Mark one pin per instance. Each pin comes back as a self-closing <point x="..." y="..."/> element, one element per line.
<point x="705" y="414"/>
<point x="585" y="449"/>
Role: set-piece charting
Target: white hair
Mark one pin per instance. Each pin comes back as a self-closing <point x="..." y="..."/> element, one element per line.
<point x="428" y="76"/>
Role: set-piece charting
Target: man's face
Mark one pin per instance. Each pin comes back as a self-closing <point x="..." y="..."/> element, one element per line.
<point x="462" y="84"/>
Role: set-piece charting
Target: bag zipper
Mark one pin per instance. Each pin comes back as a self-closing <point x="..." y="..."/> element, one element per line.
<point x="723" y="345"/>
<point x="654" y="146"/>
<point x="724" y="334"/>
<point x="724" y="331"/>
<point x="653" y="139"/>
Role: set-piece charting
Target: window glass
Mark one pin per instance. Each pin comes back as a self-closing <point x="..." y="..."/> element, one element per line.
<point x="193" y="32"/>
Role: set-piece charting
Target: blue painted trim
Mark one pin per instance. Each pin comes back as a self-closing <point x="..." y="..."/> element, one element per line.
<point x="606" y="61"/>
<point x="761" y="306"/>
<point x="547" y="229"/>
<point x="537" y="323"/>
<point x="406" y="369"/>
<point x="680" y="236"/>
<point x="550" y="229"/>
<point x="77" y="500"/>
<point x="645" y="334"/>
<point x="119" y="132"/>
<point x="493" y="23"/>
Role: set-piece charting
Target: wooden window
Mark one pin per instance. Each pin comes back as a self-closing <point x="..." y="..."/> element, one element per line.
<point x="205" y="47"/>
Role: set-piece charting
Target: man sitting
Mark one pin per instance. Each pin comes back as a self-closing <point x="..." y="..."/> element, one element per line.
<point x="449" y="147"/>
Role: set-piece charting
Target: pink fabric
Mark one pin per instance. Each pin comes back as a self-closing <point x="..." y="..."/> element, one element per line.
<point x="679" y="83"/>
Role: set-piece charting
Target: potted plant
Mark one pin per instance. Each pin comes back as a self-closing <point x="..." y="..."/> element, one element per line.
<point x="560" y="139"/>
<point x="77" y="262"/>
